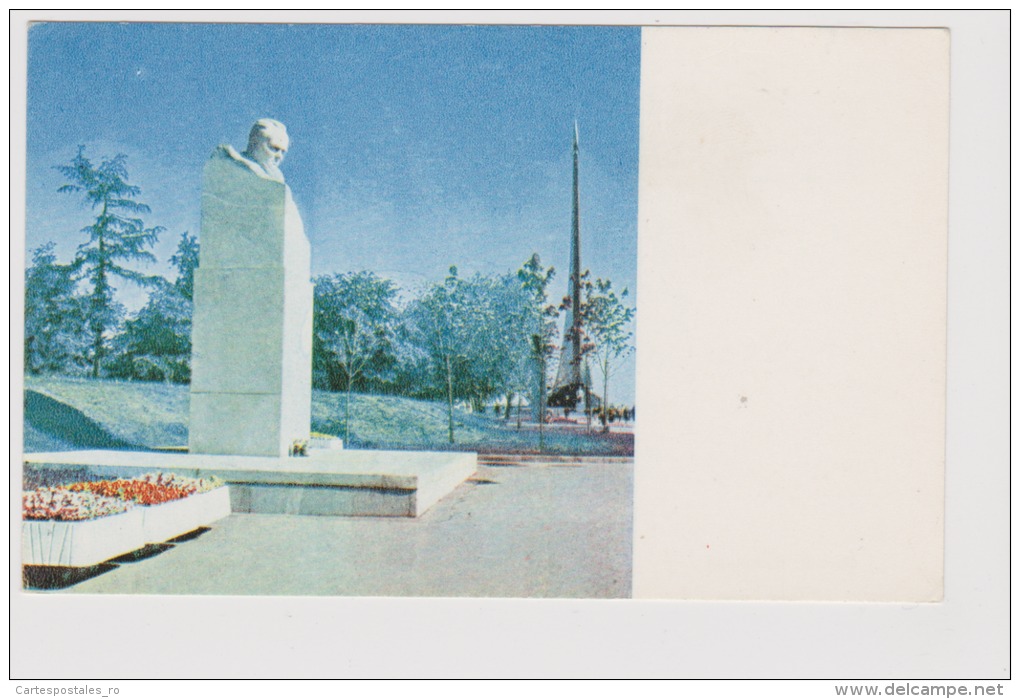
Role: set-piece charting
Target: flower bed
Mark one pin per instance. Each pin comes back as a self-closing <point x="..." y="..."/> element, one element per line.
<point x="66" y="505"/>
<point x="91" y="521"/>
<point x="162" y="522"/>
<point x="150" y="489"/>
<point x="171" y="505"/>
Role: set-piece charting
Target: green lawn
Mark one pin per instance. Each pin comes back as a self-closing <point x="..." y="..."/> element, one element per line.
<point x="70" y="413"/>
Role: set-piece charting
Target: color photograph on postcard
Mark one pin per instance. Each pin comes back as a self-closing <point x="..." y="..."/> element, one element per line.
<point x="330" y="310"/>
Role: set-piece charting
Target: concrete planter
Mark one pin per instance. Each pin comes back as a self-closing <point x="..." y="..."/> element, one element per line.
<point x="85" y="543"/>
<point x="171" y="519"/>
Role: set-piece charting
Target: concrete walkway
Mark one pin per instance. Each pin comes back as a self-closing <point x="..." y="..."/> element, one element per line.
<point x="511" y="531"/>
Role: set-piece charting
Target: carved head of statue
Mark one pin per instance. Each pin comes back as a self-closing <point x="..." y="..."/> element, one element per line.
<point x="267" y="144"/>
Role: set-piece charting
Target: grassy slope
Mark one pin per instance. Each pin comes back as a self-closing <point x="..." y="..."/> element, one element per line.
<point x="148" y="415"/>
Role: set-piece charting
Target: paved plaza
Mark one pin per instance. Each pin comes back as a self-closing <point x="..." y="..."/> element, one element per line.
<point x="513" y="530"/>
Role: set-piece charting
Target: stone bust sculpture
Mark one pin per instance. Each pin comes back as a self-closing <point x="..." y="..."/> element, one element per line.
<point x="251" y="379"/>
<point x="267" y="144"/>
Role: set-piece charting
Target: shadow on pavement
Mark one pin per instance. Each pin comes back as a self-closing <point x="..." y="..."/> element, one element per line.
<point x="60" y="577"/>
<point x="35" y="577"/>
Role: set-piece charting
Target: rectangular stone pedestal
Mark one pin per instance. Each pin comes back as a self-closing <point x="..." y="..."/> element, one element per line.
<point x="252" y="327"/>
<point x="340" y="483"/>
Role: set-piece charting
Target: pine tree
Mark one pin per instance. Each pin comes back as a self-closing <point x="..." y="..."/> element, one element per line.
<point x="117" y="236"/>
<point x="54" y="316"/>
<point x="156" y="343"/>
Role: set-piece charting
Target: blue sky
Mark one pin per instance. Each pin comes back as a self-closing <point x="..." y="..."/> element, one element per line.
<point x="412" y="147"/>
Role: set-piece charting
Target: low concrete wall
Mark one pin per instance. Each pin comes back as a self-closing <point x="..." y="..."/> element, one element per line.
<point x="337" y="483"/>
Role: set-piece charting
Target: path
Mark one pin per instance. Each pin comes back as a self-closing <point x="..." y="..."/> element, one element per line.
<point x="517" y="529"/>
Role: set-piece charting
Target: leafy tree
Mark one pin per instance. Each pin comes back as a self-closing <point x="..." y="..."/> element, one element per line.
<point x="483" y="336"/>
<point x="493" y="304"/>
<point x="54" y="316"/>
<point x="439" y="323"/>
<point x="606" y="320"/>
<point x="117" y="236"/>
<point x="515" y="366"/>
<point x="355" y="323"/>
<point x="538" y="324"/>
<point x="156" y="343"/>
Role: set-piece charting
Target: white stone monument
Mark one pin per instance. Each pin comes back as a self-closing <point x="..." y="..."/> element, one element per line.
<point x="252" y="328"/>
<point x="251" y="366"/>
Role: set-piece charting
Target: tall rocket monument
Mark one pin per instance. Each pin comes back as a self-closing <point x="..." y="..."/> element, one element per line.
<point x="573" y="378"/>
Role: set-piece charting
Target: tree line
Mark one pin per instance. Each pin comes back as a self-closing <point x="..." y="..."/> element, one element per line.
<point x="464" y="338"/>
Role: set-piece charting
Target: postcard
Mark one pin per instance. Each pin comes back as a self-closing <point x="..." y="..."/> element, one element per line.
<point x="315" y="313"/>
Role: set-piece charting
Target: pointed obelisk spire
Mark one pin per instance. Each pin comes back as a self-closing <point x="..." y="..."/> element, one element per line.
<point x="571" y="376"/>
<point x="575" y="266"/>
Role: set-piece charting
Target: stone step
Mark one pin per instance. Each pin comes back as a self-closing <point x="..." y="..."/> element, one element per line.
<point x="338" y="483"/>
<point x="550" y="459"/>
